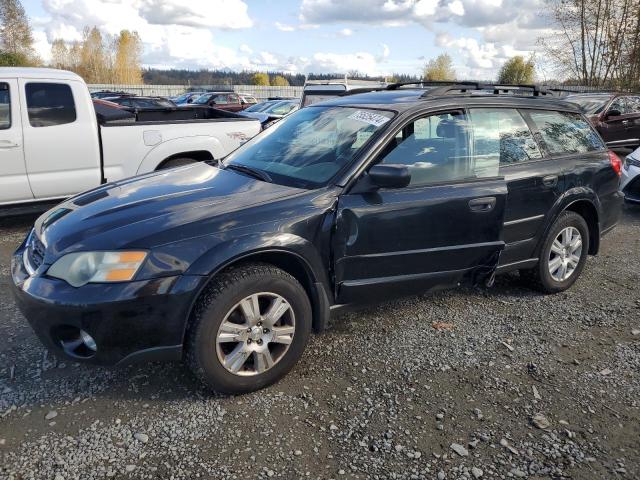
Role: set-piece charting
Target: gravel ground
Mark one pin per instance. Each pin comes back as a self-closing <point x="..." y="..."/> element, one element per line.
<point x="509" y="384"/>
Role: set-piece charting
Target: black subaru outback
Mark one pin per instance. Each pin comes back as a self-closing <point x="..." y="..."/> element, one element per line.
<point x="358" y="199"/>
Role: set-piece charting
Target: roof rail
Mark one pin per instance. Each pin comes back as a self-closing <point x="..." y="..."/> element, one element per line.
<point x="465" y="87"/>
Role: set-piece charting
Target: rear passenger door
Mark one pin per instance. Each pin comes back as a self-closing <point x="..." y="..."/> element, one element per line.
<point x="444" y="227"/>
<point x="61" y="147"/>
<point x="533" y="183"/>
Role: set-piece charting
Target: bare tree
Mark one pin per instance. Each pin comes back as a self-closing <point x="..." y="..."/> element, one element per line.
<point x="596" y="41"/>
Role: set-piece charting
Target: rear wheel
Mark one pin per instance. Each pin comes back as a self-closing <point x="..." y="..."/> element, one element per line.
<point x="249" y="329"/>
<point x="563" y="255"/>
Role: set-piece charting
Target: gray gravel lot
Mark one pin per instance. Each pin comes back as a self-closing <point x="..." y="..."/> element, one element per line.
<point x="510" y="384"/>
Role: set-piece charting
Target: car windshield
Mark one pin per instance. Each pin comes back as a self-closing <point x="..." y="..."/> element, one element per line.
<point x="259" y="107"/>
<point x="309" y="147"/>
<point x="280" y="108"/>
<point x="590" y="104"/>
<point x="202" y="99"/>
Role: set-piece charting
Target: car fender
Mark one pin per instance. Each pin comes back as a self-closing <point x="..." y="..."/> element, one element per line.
<point x="253" y="244"/>
<point x="176" y="146"/>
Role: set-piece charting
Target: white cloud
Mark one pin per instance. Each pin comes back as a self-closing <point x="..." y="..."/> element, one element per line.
<point x="225" y="14"/>
<point x="283" y="27"/>
<point x="345" y="32"/>
<point x="174" y="32"/>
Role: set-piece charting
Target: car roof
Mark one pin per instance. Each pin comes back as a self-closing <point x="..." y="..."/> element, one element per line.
<point x="400" y="100"/>
<point x="45" y="73"/>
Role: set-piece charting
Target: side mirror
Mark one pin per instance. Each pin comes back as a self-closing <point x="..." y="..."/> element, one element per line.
<point x="389" y="176"/>
<point x="614" y="113"/>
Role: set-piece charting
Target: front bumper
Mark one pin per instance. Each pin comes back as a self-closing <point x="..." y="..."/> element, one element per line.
<point x="133" y="321"/>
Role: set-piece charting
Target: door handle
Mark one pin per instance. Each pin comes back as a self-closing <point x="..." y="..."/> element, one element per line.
<point x="550" y="181"/>
<point x="625" y="122"/>
<point x="484" y="204"/>
<point x="8" y="144"/>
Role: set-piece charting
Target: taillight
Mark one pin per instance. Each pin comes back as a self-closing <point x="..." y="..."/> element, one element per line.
<point x="616" y="163"/>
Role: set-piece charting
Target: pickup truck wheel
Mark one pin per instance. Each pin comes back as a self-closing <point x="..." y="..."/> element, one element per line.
<point x="248" y="329"/>
<point x="563" y="255"/>
<point x="176" y="162"/>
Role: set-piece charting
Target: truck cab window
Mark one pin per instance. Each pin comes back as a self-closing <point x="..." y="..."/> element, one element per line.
<point x="5" y="107"/>
<point x="49" y="104"/>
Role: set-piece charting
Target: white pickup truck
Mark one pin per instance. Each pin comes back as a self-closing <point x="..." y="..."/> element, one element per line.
<point x="54" y="143"/>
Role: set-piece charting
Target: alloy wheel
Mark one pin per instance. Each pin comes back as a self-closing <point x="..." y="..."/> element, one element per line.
<point x="255" y="334"/>
<point x="565" y="254"/>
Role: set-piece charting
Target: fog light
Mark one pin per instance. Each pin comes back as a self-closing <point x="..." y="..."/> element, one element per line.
<point x="88" y="341"/>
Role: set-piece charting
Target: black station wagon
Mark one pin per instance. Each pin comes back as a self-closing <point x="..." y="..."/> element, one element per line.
<point x="229" y="267"/>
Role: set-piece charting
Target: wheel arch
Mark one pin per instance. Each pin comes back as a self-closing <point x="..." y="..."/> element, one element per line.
<point x="197" y="155"/>
<point x="585" y="204"/>
<point x="180" y="147"/>
<point x="587" y="210"/>
<point x="289" y="261"/>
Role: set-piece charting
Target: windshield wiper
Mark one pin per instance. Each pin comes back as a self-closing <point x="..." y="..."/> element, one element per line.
<point x="255" y="173"/>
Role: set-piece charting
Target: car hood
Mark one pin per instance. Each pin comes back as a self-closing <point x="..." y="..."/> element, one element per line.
<point x="152" y="209"/>
<point x="263" y="117"/>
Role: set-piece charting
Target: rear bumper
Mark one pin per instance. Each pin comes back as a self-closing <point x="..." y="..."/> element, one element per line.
<point x="130" y="322"/>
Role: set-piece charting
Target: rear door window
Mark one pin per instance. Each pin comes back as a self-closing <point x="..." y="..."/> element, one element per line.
<point x="565" y="132"/>
<point x="634" y="104"/>
<point x="500" y="137"/>
<point x="50" y="104"/>
<point x="5" y="106"/>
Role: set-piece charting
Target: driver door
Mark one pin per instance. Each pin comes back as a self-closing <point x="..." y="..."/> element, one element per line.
<point x="445" y="227"/>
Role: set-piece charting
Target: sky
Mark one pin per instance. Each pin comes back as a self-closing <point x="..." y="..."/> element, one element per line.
<point x="376" y="37"/>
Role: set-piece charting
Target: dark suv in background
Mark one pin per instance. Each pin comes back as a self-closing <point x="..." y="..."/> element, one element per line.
<point x="616" y="116"/>
<point x="362" y="198"/>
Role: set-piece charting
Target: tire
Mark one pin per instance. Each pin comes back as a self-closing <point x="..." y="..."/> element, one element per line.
<point x="541" y="277"/>
<point x="176" y="162"/>
<point x="214" y="351"/>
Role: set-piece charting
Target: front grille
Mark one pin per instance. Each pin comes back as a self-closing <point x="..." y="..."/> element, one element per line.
<point x="34" y="255"/>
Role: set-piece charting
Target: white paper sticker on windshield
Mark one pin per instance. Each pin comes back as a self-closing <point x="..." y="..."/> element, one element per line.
<point x="372" y="118"/>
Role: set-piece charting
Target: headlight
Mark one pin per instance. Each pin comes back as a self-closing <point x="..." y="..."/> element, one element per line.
<point x="81" y="268"/>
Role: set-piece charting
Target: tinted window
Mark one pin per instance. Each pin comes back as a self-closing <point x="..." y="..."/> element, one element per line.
<point x="500" y="136"/>
<point x="564" y="132"/>
<point x="5" y="106"/>
<point x="435" y="148"/>
<point x="590" y="104"/>
<point x="220" y="100"/>
<point x="49" y="104"/>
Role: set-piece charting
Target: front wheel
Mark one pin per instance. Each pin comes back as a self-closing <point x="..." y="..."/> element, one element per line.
<point x="563" y="255"/>
<point x="249" y="329"/>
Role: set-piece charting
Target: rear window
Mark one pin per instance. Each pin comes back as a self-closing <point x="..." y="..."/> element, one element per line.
<point x="502" y="136"/>
<point x="50" y="104"/>
<point x="565" y="132"/>
<point x="5" y="106"/>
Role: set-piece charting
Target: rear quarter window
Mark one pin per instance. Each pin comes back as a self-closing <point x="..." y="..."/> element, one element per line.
<point x="50" y="104"/>
<point x="565" y="132"/>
